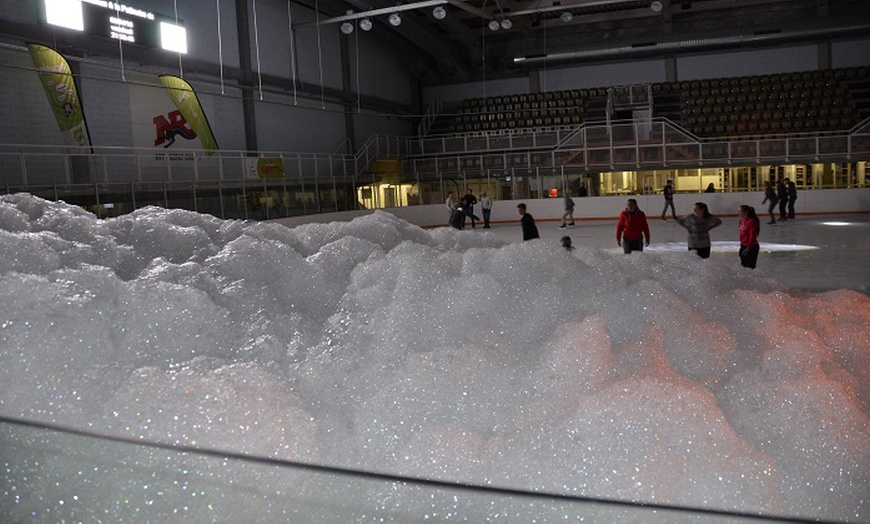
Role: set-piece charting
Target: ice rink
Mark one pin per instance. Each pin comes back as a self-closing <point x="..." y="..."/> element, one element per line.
<point x="812" y="252"/>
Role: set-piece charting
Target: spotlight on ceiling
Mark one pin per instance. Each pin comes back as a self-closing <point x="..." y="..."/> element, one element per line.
<point x="365" y="24"/>
<point x="493" y="25"/>
<point x="566" y="16"/>
<point x="395" y="20"/>
<point x="656" y="6"/>
<point x="347" y="28"/>
<point x="439" y="13"/>
<point x="506" y="24"/>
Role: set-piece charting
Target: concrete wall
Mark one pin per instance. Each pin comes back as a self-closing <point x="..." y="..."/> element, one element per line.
<point x="822" y="201"/>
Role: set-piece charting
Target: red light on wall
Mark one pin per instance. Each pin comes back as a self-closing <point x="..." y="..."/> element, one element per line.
<point x="553" y="192"/>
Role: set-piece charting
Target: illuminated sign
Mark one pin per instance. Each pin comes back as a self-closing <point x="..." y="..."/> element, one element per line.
<point x="118" y="21"/>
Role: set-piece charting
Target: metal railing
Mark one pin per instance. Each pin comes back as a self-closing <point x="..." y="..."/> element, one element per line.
<point x="227" y="184"/>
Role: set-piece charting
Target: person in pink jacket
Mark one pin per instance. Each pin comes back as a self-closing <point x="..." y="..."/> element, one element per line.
<point x="632" y="228"/>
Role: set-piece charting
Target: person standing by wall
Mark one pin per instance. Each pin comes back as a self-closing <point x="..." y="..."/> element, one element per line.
<point x="749" y="229"/>
<point x="699" y="224"/>
<point x="792" y="197"/>
<point x="527" y="222"/>
<point x="632" y="228"/>
<point x="668" y="192"/>
<point x="770" y="196"/>
<point x="467" y="203"/>
<point x="450" y="203"/>
<point x="569" y="210"/>
<point x="485" y="208"/>
<point x="782" y="196"/>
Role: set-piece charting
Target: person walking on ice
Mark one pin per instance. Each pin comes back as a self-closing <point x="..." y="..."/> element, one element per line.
<point x="668" y="192"/>
<point x="569" y="209"/>
<point x="632" y="228"/>
<point x="527" y="222"/>
<point x="699" y="224"/>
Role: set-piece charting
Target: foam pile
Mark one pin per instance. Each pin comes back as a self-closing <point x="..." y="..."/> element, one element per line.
<point x="376" y="345"/>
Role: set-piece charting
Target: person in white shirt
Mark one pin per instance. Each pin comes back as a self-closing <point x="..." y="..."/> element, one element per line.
<point x="486" y="207"/>
<point x="451" y="205"/>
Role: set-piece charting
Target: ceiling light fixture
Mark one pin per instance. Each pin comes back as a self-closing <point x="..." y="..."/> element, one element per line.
<point x="439" y="13"/>
<point x="395" y="20"/>
<point x="506" y="24"/>
<point x="493" y="25"/>
<point x="347" y="27"/>
<point x="566" y="16"/>
<point x="365" y="24"/>
<point x="656" y="6"/>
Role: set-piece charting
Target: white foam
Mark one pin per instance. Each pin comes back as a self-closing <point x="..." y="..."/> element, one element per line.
<point x="375" y="344"/>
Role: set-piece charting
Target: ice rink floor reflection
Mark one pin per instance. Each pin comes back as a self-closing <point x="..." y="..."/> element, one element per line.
<point x="813" y="253"/>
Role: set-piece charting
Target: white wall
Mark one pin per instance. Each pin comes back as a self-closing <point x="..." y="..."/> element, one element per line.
<point x="600" y="75"/>
<point x="748" y="63"/>
<point x="282" y="122"/>
<point x="457" y="92"/>
<point x="850" y="54"/>
<point x="822" y="201"/>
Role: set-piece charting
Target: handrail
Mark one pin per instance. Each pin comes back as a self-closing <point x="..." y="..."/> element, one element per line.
<point x="593" y="146"/>
<point x="429" y="117"/>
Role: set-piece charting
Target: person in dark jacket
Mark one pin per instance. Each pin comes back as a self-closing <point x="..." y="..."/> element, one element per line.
<point x="792" y="197"/>
<point x="668" y="191"/>
<point x="467" y="203"/>
<point x="782" y="195"/>
<point x="457" y="217"/>
<point x="632" y="228"/>
<point x="770" y="196"/>
<point x="569" y="210"/>
<point x="530" y="230"/>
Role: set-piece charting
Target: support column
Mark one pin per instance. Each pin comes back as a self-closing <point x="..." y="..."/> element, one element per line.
<point x="247" y="81"/>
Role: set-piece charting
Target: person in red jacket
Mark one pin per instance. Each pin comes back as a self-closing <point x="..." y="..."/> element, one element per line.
<point x="632" y="228"/>
<point x="750" y="227"/>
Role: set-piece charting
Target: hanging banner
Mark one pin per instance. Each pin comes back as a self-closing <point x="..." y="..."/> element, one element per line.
<point x="189" y="108"/>
<point x="60" y="87"/>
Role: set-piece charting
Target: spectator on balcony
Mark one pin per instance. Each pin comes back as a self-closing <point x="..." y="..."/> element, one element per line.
<point x="668" y="192"/>
<point x="710" y="188"/>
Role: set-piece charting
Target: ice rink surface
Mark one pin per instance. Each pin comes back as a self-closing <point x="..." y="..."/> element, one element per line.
<point x="811" y="252"/>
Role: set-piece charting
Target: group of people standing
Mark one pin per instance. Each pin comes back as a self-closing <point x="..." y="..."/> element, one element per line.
<point x="632" y="230"/>
<point x="463" y="210"/>
<point x="784" y="195"/>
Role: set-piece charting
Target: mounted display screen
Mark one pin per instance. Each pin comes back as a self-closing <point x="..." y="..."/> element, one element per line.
<point x="117" y="20"/>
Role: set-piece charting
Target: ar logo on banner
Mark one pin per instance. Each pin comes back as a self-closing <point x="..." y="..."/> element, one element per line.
<point x="170" y="126"/>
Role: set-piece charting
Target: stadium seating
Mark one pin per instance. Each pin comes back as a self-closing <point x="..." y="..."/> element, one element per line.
<point x="800" y="102"/>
